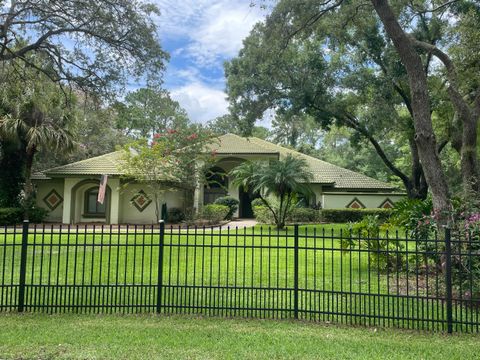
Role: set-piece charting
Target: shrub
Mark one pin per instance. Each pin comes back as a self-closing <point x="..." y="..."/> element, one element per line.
<point x="229" y="201"/>
<point x="214" y="213"/>
<point x="382" y="251"/>
<point x="304" y="215"/>
<point x="38" y="215"/>
<point x="263" y="215"/>
<point x="257" y="202"/>
<point x="353" y="215"/>
<point x="11" y="216"/>
<point x="175" y="215"/>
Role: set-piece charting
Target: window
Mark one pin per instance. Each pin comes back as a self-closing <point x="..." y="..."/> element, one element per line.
<point x="92" y="207"/>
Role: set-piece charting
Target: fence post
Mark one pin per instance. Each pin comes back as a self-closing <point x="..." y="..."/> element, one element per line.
<point x="295" y="272"/>
<point x="23" y="267"/>
<point x="448" y="278"/>
<point x="160" y="266"/>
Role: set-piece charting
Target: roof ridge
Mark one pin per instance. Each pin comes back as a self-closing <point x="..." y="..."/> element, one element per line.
<point x="314" y="158"/>
<point x="83" y="161"/>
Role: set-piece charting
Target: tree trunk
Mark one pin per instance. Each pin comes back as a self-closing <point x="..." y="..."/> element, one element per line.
<point x="469" y="160"/>
<point x="424" y="135"/>
<point x="12" y="162"/>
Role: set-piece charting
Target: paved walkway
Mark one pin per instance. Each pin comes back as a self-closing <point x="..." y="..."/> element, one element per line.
<point x="240" y="223"/>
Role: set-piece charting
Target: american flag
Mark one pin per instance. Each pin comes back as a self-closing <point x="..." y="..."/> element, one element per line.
<point x="102" y="188"/>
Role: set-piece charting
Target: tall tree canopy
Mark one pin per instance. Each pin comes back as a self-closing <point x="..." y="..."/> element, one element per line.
<point x="347" y="69"/>
<point x="95" y="45"/>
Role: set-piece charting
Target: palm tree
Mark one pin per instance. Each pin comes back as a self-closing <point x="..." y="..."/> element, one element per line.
<point x="34" y="114"/>
<point x="282" y="179"/>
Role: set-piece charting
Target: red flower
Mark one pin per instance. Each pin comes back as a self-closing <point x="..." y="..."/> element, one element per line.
<point x="171" y="131"/>
<point x="157" y="136"/>
<point x="192" y="137"/>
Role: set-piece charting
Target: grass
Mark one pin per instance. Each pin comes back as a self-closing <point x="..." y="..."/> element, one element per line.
<point x="68" y="336"/>
<point x="82" y="259"/>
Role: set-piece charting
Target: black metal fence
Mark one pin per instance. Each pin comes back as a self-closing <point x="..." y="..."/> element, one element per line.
<point x="301" y="272"/>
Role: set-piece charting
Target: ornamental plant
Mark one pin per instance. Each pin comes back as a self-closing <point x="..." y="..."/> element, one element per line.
<point x="174" y="159"/>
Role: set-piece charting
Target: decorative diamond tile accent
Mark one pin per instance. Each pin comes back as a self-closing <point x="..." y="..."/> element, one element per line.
<point x="355" y="204"/>
<point x="53" y="199"/>
<point x="141" y="200"/>
<point x="387" y="204"/>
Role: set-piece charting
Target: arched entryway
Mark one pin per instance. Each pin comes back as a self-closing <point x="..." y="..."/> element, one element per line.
<point x="245" y="203"/>
<point x="84" y="205"/>
<point x="216" y="185"/>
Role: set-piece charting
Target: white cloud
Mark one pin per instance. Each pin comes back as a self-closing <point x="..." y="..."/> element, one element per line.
<point x="214" y="30"/>
<point x="201" y="102"/>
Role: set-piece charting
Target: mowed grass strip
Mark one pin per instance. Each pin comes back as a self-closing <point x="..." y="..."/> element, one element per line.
<point x="68" y="336"/>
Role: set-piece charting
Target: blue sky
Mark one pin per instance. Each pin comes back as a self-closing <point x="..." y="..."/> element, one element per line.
<point x="200" y="35"/>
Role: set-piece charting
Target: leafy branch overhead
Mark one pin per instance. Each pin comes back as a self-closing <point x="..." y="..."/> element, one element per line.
<point x="94" y="45"/>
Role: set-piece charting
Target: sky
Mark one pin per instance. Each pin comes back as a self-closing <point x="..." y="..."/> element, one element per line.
<point x="200" y="35"/>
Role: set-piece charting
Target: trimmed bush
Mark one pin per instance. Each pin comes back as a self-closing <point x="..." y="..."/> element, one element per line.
<point x="175" y="215"/>
<point x="353" y="215"/>
<point x="38" y="215"/>
<point x="11" y="216"/>
<point x="304" y="215"/>
<point x="214" y="213"/>
<point x="263" y="215"/>
<point x="229" y="201"/>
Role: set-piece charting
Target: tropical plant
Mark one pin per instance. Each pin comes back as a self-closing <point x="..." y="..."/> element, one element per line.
<point x="279" y="179"/>
<point x="174" y="159"/>
<point x="35" y="114"/>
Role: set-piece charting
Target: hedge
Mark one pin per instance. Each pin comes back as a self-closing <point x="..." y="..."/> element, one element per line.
<point x="12" y="216"/>
<point x="229" y="201"/>
<point x="352" y="215"/>
<point x="214" y="213"/>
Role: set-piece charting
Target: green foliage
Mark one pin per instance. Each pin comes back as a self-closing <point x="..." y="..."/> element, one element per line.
<point x="176" y="215"/>
<point x="13" y="216"/>
<point x="148" y="111"/>
<point x="263" y="215"/>
<point x="414" y="216"/>
<point x="214" y="213"/>
<point x="112" y="42"/>
<point x="352" y="215"/>
<point x="229" y="201"/>
<point x="172" y="160"/>
<point x="257" y="202"/>
<point x="305" y="215"/>
<point x="382" y="250"/>
<point x="276" y="183"/>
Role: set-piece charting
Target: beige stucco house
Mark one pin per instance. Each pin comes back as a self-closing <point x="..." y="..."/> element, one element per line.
<point x="69" y="192"/>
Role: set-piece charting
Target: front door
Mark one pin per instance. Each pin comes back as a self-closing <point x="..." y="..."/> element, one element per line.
<point x="245" y="207"/>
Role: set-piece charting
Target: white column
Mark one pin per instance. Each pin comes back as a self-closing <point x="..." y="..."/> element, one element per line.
<point x="68" y="200"/>
<point x="114" y="200"/>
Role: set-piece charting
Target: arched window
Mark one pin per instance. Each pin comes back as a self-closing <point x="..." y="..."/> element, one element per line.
<point x="92" y="207"/>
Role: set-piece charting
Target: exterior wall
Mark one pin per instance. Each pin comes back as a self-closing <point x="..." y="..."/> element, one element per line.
<point x="332" y="200"/>
<point x="44" y="187"/>
<point x="129" y="214"/>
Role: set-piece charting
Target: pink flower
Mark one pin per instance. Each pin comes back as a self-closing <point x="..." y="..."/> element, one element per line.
<point x="171" y="131"/>
<point x="157" y="136"/>
<point x="192" y="137"/>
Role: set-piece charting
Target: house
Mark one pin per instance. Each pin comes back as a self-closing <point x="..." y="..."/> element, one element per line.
<point x="70" y="191"/>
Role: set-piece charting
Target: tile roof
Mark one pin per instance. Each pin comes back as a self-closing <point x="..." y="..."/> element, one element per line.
<point x="230" y="144"/>
<point x="108" y="164"/>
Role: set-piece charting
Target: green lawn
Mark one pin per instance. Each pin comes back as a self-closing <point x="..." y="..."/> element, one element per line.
<point x="213" y="271"/>
<point x="67" y="336"/>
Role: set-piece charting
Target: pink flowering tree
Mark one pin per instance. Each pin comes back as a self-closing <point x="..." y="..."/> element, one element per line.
<point x="172" y="160"/>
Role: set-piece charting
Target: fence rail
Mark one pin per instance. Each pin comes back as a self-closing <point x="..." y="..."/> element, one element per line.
<point x="301" y="272"/>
